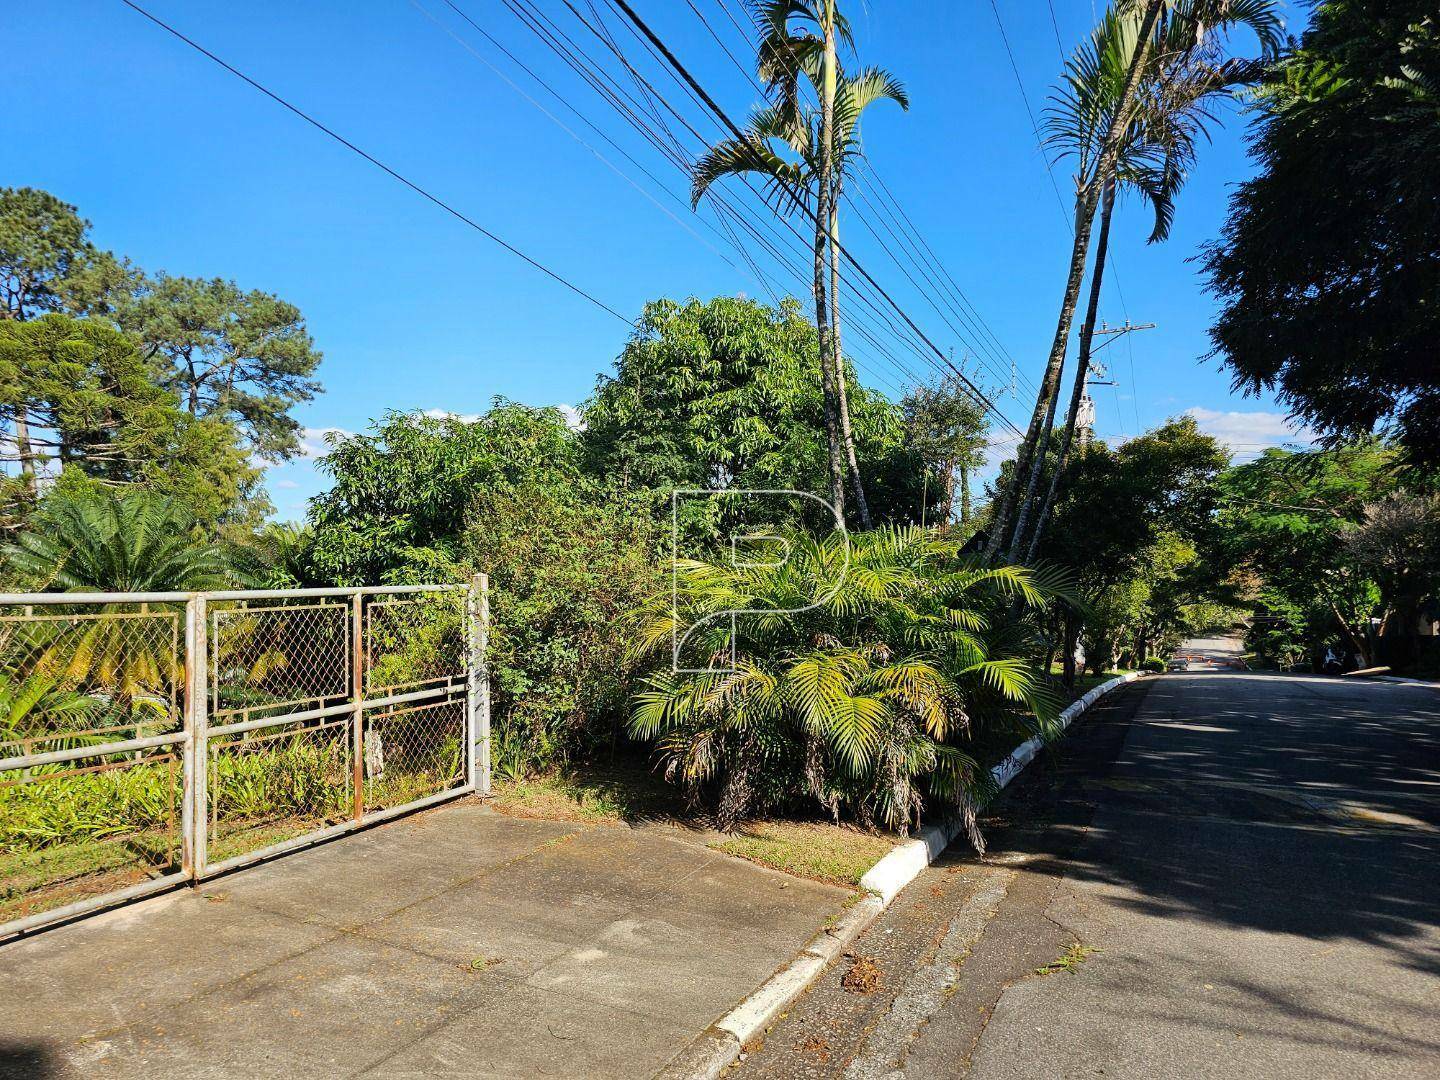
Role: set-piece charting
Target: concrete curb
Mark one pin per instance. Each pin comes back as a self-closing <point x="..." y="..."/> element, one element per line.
<point x="1403" y="681"/>
<point x="719" y="1046"/>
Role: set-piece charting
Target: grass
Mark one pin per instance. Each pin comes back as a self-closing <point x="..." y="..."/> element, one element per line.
<point x="51" y="876"/>
<point x="837" y="854"/>
<point x="598" y="795"/>
<point x="54" y="876"/>
<point x="1068" y="961"/>
<point x="628" y="793"/>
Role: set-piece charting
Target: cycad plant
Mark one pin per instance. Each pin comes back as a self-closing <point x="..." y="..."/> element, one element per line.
<point x="801" y="153"/>
<point x="103" y="541"/>
<point x="875" y="674"/>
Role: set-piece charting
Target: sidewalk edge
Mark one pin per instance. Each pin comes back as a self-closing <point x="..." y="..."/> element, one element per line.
<point x="720" y="1045"/>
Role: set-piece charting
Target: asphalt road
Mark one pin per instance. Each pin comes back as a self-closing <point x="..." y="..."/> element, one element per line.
<point x="1223" y="875"/>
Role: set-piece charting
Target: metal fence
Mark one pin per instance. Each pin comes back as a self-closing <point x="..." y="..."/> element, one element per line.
<point x="151" y="739"/>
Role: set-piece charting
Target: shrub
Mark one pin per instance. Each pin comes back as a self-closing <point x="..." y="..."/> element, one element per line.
<point x="1153" y="663"/>
<point x="567" y="567"/>
<point x="870" y="687"/>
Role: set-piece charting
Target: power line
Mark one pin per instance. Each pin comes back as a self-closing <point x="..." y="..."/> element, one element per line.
<point x="568" y="49"/>
<point x="1034" y="124"/>
<point x="700" y="98"/>
<point x="909" y="237"/>
<point x="626" y="106"/>
<point x="735" y="130"/>
<point x="378" y="163"/>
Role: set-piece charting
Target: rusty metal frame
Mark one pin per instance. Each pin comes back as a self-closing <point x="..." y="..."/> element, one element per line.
<point x="468" y="688"/>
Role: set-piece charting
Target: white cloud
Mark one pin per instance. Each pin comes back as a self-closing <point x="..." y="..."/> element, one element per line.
<point x="573" y="420"/>
<point x="1246" y="434"/>
<point x="284" y="485"/>
<point x="445" y="414"/>
<point x="312" y="441"/>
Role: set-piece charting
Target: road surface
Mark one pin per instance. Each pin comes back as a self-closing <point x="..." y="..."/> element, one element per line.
<point x="1217" y="875"/>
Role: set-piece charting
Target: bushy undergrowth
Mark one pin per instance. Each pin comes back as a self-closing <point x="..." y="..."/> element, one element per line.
<point x="865" y="680"/>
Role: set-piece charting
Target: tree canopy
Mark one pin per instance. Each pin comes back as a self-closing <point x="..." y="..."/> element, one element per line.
<point x="722" y="394"/>
<point x="244" y="357"/>
<point x="1328" y="269"/>
<point x="92" y="415"/>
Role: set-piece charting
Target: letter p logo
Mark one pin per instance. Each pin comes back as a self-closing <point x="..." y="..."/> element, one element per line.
<point x="708" y="600"/>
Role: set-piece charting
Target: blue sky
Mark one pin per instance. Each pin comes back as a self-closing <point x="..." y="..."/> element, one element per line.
<point x="182" y="167"/>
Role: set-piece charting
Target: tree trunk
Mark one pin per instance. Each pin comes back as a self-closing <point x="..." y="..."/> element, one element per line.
<point x="822" y="328"/>
<point x="1026" y="460"/>
<point x="949" y="492"/>
<point x="842" y="392"/>
<point x="1072" y="642"/>
<point x="24" y="450"/>
<point x="1087" y="336"/>
<point x="1037" y="470"/>
<point x="964" y="492"/>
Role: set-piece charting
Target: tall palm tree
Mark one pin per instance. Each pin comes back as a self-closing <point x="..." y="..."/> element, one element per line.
<point x="1173" y="108"/>
<point x="1176" y="24"/>
<point x="798" y="47"/>
<point x="790" y="185"/>
<point x="855" y="94"/>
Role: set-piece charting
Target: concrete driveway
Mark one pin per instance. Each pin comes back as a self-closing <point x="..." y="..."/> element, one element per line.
<point x="1215" y="875"/>
<point x="455" y="943"/>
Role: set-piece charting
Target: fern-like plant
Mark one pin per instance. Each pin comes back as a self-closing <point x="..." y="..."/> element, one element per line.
<point x="867" y="677"/>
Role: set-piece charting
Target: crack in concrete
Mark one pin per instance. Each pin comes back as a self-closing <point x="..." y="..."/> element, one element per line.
<point x="926" y="991"/>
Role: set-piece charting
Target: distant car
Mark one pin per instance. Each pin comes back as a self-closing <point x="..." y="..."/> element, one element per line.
<point x="1177" y="663"/>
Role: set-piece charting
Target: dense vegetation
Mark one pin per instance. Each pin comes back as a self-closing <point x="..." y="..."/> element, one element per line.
<point x="872" y="675"/>
<point x="1328" y="269"/>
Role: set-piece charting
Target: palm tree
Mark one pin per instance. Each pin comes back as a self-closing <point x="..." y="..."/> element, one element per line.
<point x="102" y="541"/>
<point x="1173" y="109"/>
<point x="883" y="659"/>
<point x="854" y="96"/>
<point x="1179" y="25"/>
<point x="798" y="42"/>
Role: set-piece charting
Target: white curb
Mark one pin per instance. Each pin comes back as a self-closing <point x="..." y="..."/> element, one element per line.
<point x="719" y="1046"/>
<point x="1401" y="680"/>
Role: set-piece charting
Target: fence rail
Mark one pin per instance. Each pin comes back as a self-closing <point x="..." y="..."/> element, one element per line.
<point x="148" y="739"/>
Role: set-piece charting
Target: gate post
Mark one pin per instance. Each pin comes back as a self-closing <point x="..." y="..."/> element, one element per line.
<point x="357" y="690"/>
<point x="477" y="682"/>
<point x="195" y="802"/>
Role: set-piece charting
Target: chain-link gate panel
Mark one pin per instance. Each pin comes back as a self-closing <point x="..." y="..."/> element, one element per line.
<point x="415" y="648"/>
<point x="92" y="740"/>
<point x="150" y="738"/>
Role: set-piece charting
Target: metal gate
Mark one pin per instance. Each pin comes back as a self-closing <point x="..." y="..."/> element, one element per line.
<point x="151" y="739"/>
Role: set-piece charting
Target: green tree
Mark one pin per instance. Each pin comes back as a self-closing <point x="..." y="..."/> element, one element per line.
<point x="800" y="39"/>
<point x="1187" y="76"/>
<point x="1328" y="266"/>
<point x="719" y="395"/>
<point x="400" y="495"/>
<point x="1397" y="542"/>
<point x="425" y="499"/>
<point x="115" y="542"/>
<point x="1123" y="523"/>
<point x="94" y="416"/>
<point x="103" y="541"/>
<point x="44" y="248"/>
<point x="568" y="564"/>
<point x="1287" y="517"/>
<point x="1178" y="27"/>
<point x="242" y="357"/>
<point x="948" y="428"/>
